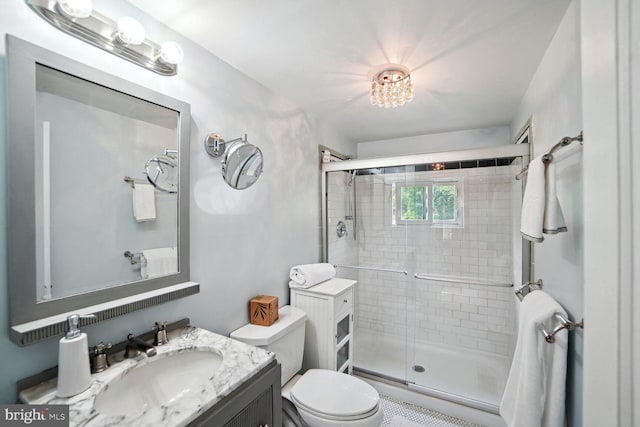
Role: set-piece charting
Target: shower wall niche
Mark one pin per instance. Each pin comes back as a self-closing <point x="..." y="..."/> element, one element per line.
<point x="436" y="250"/>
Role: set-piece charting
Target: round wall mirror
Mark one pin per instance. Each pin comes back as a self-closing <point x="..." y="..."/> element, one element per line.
<point x="242" y="165"/>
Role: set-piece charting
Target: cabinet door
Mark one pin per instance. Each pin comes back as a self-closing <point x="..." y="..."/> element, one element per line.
<point x="343" y="343"/>
<point x="257" y="413"/>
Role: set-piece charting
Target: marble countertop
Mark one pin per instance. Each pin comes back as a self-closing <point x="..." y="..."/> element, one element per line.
<point x="240" y="363"/>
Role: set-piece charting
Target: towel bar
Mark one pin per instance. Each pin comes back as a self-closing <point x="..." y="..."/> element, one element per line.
<point x="564" y="324"/>
<point x="548" y="156"/>
<point x="524" y="290"/>
<point x="133" y="255"/>
<point x="132" y="181"/>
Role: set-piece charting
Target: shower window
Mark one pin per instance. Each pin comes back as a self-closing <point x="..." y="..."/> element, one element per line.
<point x="437" y="203"/>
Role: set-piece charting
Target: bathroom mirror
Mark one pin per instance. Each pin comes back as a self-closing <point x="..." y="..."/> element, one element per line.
<point x="98" y="178"/>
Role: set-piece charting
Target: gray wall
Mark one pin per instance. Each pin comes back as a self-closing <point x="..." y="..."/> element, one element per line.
<point x="554" y="103"/>
<point x="242" y="242"/>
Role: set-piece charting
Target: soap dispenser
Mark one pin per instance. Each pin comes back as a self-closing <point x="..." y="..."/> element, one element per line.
<point x="74" y="374"/>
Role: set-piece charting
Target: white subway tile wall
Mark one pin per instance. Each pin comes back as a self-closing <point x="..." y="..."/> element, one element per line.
<point x="469" y="316"/>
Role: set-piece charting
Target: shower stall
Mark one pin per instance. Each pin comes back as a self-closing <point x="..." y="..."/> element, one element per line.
<point x="433" y="241"/>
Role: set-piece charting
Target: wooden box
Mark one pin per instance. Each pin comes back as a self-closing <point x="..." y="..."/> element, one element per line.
<point x="263" y="310"/>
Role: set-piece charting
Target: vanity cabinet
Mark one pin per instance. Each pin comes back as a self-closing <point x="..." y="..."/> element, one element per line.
<point x="329" y="327"/>
<point x="257" y="403"/>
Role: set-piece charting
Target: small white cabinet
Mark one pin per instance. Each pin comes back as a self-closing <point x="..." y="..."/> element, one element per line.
<point x="329" y="328"/>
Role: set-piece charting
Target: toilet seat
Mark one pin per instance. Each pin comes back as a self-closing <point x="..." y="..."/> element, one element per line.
<point x="334" y="396"/>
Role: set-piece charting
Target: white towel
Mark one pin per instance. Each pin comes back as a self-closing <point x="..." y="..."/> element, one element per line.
<point x="535" y="391"/>
<point x="144" y="202"/>
<point x="540" y="208"/>
<point x="307" y="275"/>
<point x="553" y="218"/>
<point x="159" y="262"/>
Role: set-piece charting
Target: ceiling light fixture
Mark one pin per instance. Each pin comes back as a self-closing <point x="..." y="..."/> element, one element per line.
<point x="391" y="86"/>
<point x="124" y="38"/>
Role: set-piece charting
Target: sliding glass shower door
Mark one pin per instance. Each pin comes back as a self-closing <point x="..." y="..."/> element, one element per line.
<point x="363" y="246"/>
<point x="433" y="243"/>
<point x="464" y="254"/>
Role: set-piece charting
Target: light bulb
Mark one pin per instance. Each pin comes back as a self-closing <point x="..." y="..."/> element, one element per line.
<point x="75" y="8"/>
<point x="171" y="53"/>
<point x="130" y="31"/>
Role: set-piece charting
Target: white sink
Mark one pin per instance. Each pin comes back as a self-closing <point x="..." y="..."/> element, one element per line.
<point x="161" y="381"/>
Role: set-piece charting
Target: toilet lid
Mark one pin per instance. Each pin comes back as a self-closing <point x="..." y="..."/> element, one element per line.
<point x="335" y="394"/>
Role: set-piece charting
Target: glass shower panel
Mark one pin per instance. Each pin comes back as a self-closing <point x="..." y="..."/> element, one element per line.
<point x="372" y="251"/>
<point x="464" y="257"/>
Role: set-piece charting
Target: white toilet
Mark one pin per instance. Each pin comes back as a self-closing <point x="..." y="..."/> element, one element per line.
<point x="322" y="398"/>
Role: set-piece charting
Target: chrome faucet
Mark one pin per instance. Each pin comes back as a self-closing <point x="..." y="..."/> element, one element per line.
<point x="99" y="360"/>
<point x="136" y="345"/>
<point x="161" y="334"/>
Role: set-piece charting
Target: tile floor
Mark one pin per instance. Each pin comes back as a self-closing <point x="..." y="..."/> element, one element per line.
<point x="419" y="415"/>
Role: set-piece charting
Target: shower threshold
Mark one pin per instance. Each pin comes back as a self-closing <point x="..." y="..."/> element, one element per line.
<point x="451" y="397"/>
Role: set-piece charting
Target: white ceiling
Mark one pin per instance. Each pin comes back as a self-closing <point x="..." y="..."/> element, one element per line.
<point x="471" y="60"/>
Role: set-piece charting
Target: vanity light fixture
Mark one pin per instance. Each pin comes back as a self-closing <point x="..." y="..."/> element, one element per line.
<point x="125" y="37"/>
<point x="391" y="86"/>
<point x="75" y="8"/>
<point x="171" y="53"/>
<point x="130" y="31"/>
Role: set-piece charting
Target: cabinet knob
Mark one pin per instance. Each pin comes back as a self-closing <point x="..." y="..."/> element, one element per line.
<point x="346" y="301"/>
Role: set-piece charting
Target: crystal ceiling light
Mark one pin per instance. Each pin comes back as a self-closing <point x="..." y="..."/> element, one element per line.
<point x="391" y="86"/>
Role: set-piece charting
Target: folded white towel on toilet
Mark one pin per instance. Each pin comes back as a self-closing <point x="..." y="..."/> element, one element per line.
<point x="307" y="275"/>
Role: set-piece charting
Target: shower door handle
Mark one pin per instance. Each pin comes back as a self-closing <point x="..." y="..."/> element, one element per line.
<point x="463" y="280"/>
<point x="386" y="270"/>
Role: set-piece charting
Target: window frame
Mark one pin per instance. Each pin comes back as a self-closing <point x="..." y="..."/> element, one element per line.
<point x="428" y="185"/>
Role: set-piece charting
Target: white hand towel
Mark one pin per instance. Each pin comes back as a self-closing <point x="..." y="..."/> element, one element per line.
<point x="307" y="275"/>
<point x="535" y="391"/>
<point x="553" y="218"/>
<point x="144" y="202"/>
<point x="159" y="262"/>
<point x="540" y="208"/>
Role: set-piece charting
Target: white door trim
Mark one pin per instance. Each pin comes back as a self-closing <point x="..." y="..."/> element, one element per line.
<point x="608" y="373"/>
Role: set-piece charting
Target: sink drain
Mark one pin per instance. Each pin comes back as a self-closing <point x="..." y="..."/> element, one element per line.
<point x="418" y="368"/>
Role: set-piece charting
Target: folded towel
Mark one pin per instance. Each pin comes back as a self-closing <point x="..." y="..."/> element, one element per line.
<point x="540" y="208"/>
<point x="144" y="202"/>
<point x="535" y="391"/>
<point x="159" y="262"/>
<point x="553" y="218"/>
<point x="307" y="275"/>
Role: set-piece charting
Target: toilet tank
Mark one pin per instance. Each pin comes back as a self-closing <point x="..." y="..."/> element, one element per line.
<point x="285" y="338"/>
